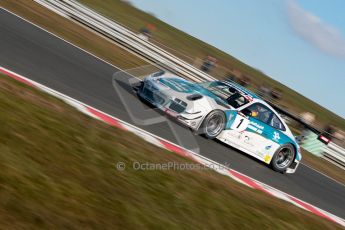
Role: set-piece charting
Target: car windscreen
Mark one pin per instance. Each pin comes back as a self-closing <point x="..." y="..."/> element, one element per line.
<point x="225" y="92"/>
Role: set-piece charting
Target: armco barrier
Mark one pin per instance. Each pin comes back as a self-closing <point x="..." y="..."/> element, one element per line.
<point x="78" y="12"/>
<point x="330" y="152"/>
<point x="335" y="154"/>
<point x="113" y="30"/>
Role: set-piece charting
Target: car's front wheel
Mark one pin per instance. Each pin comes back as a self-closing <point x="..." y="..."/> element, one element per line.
<point x="283" y="158"/>
<point x="213" y="124"/>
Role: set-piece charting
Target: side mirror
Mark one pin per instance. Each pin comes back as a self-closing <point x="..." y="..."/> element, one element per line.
<point x="247" y="112"/>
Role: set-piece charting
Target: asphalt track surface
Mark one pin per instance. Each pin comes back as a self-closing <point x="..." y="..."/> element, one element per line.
<point x="42" y="57"/>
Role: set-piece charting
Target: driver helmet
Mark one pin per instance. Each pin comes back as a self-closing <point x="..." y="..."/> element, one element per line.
<point x="256" y="111"/>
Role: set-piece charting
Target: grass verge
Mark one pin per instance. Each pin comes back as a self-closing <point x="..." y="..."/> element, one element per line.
<point x="58" y="171"/>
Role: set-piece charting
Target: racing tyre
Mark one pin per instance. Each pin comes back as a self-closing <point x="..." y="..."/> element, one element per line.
<point x="283" y="158"/>
<point x="213" y="124"/>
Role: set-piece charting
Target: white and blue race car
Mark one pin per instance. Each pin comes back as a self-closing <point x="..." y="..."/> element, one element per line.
<point x="228" y="112"/>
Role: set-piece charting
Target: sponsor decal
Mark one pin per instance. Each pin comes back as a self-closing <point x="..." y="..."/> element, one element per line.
<point x="246" y="139"/>
<point x="276" y="136"/>
<point x="267" y="158"/>
<point x="255" y="127"/>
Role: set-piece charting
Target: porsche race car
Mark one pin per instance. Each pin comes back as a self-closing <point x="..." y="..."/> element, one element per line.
<point x="228" y="112"/>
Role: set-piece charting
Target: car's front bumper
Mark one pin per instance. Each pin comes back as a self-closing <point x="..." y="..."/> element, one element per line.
<point x="293" y="167"/>
<point x="192" y="120"/>
<point x="170" y="106"/>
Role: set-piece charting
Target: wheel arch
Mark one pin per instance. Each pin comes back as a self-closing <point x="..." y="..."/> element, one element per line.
<point x="206" y="115"/>
<point x="295" y="148"/>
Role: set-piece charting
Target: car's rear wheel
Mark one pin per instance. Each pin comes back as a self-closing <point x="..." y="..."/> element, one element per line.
<point x="213" y="124"/>
<point x="283" y="158"/>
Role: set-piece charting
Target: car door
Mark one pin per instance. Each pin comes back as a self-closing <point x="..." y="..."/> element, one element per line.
<point x="258" y="135"/>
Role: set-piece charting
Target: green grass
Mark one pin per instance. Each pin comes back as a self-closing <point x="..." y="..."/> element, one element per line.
<point x="190" y="48"/>
<point x="58" y="171"/>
